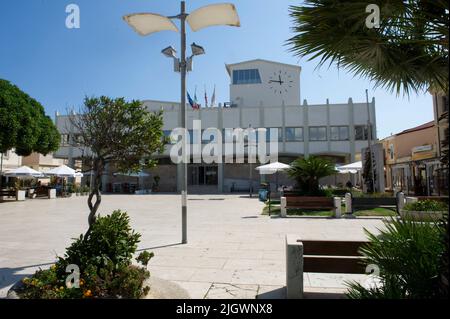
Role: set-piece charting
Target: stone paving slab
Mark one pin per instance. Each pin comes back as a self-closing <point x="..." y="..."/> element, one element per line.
<point x="229" y="242"/>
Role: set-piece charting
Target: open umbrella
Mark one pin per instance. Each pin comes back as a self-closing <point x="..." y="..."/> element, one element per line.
<point x="272" y="168"/>
<point x="23" y="171"/>
<point x="62" y="171"/>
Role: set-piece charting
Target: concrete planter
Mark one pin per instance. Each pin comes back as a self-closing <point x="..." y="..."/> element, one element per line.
<point x="20" y="195"/>
<point x="160" y="289"/>
<point x="421" y="216"/>
<point x="52" y="193"/>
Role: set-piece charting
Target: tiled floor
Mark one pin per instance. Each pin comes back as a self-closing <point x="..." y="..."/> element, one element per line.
<point x="232" y="251"/>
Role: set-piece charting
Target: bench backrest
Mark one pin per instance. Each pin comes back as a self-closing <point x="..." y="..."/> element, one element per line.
<point x="313" y="201"/>
<point x="374" y="201"/>
<point x="322" y="256"/>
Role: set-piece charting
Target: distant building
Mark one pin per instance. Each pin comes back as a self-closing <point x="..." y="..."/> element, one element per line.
<point x="42" y="163"/>
<point x="263" y="94"/>
<point x="412" y="161"/>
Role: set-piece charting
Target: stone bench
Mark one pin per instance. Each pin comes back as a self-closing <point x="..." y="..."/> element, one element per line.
<point x="310" y="202"/>
<point x="319" y="256"/>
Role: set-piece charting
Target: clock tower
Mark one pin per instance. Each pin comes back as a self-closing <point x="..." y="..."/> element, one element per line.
<point x="264" y="83"/>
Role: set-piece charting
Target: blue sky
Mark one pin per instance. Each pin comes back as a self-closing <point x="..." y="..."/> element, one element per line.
<point x="59" y="66"/>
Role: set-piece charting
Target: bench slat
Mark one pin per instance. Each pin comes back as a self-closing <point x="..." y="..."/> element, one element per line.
<point x="332" y="248"/>
<point x="338" y="265"/>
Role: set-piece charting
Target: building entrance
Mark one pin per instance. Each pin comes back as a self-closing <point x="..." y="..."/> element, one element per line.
<point x="202" y="175"/>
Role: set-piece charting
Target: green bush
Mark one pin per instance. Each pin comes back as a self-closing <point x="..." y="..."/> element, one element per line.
<point x="408" y="255"/>
<point x="426" y="205"/>
<point x="105" y="261"/>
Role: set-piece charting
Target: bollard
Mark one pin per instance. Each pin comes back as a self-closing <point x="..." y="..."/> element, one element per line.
<point x="337" y="207"/>
<point x="294" y="267"/>
<point x="348" y="203"/>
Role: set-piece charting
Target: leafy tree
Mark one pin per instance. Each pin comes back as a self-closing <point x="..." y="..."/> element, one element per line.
<point x="23" y="123"/>
<point x="308" y="171"/>
<point x="119" y="133"/>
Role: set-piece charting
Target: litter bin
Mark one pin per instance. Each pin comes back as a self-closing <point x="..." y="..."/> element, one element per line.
<point x="263" y="194"/>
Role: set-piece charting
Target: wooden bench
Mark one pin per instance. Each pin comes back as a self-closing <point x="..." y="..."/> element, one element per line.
<point x="359" y="203"/>
<point x="310" y="202"/>
<point x="320" y="256"/>
<point x="7" y="193"/>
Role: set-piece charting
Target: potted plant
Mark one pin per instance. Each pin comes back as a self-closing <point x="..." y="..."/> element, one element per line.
<point x="20" y="193"/>
<point x="424" y="210"/>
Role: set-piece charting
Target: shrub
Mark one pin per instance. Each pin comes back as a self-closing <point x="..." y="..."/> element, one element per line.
<point x="426" y="205"/>
<point x="408" y="255"/>
<point x="105" y="261"/>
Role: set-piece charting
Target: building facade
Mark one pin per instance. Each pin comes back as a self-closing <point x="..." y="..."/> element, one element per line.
<point x="263" y="94"/>
<point x="412" y="161"/>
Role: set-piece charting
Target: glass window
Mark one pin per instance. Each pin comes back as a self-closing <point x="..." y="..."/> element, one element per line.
<point x="343" y="133"/>
<point x="318" y="133"/>
<point x="294" y="134"/>
<point x="250" y="76"/>
<point x="339" y="133"/>
<point x="361" y="133"/>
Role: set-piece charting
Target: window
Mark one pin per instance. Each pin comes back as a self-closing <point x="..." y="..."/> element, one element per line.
<point x="391" y="151"/>
<point x="246" y="77"/>
<point x="167" y="136"/>
<point x="361" y="133"/>
<point x="269" y="136"/>
<point x="64" y="139"/>
<point x="294" y="134"/>
<point x="318" y="133"/>
<point x="339" y="133"/>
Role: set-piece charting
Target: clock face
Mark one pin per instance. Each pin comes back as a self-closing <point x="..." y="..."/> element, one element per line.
<point x="281" y="82"/>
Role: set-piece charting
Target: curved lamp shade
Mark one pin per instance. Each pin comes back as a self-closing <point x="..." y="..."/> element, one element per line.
<point x="147" y="23"/>
<point x="215" y="14"/>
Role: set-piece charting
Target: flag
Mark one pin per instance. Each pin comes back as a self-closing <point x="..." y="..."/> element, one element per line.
<point x="213" y="98"/>
<point x="192" y="103"/>
<point x="206" y="99"/>
<point x="195" y="97"/>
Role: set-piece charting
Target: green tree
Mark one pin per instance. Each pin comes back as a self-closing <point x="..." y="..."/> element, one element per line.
<point x="308" y="171"/>
<point x="23" y="123"/>
<point x="119" y="133"/>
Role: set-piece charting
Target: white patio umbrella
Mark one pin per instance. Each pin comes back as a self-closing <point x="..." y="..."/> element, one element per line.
<point x="351" y="168"/>
<point x="23" y="171"/>
<point x="62" y="171"/>
<point x="272" y="168"/>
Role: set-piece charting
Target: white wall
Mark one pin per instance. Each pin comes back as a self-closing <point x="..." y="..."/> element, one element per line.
<point x="262" y="94"/>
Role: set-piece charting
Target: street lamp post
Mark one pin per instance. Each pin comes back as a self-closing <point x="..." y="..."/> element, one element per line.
<point x="369" y="137"/>
<point x="147" y="23"/>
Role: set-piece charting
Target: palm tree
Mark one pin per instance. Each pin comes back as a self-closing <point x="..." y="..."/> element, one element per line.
<point x="407" y="53"/>
<point x="308" y="171"/>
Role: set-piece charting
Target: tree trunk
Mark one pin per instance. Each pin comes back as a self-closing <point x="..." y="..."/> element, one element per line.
<point x="95" y="191"/>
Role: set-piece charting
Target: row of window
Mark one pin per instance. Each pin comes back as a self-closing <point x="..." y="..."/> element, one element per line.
<point x="295" y="134"/>
<point x="246" y="76"/>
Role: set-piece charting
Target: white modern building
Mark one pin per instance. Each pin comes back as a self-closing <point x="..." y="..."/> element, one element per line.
<point x="263" y="94"/>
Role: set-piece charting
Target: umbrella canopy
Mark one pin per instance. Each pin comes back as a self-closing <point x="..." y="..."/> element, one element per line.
<point x="62" y="171"/>
<point x="23" y="171"/>
<point x="272" y="168"/>
<point x="352" y="168"/>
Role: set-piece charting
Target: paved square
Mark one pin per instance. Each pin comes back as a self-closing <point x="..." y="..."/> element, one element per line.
<point x="232" y="251"/>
